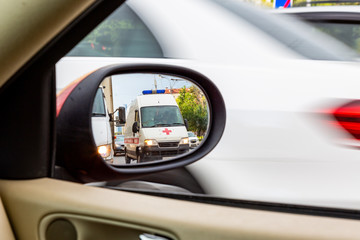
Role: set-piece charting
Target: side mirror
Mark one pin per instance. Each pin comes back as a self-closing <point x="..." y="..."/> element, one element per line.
<point x="135" y="127"/>
<point x="121" y="116"/>
<point x="80" y="151"/>
<point x="186" y="124"/>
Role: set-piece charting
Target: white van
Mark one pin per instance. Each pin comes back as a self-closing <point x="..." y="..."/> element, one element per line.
<point x="154" y="128"/>
<point x="100" y="121"/>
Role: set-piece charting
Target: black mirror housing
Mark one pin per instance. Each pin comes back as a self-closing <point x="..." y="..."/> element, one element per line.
<point x="121" y="115"/>
<point x="135" y="127"/>
<point x="75" y="144"/>
<point x="186" y="124"/>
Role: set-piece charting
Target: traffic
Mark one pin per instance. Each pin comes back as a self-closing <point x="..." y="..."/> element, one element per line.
<point x="159" y="123"/>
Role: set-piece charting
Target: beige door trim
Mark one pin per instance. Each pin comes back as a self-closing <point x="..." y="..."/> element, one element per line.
<point x="39" y="198"/>
<point x="5" y="228"/>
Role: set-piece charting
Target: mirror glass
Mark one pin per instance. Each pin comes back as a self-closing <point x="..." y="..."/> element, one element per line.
<point x="145" y="117"/>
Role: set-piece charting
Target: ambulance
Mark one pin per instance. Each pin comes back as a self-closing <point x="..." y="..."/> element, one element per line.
<point x="155" y="128"/>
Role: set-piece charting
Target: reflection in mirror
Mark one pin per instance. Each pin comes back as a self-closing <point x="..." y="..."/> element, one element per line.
<point x="148" y="117"/>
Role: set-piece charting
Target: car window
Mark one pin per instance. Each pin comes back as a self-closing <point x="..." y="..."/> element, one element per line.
<point x="260" y="160"/>
<point x="191" y="134"/>
<point x="161" y="116"/>
<point x="99" y="107"/>
<point x="122" y="34"/>
<point x="348" y="33"/>
<point x="119" y="138"/>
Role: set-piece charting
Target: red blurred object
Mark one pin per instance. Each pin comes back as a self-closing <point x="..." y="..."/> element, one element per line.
<point x="348" y="117"/>
<point x="64" y="93"/>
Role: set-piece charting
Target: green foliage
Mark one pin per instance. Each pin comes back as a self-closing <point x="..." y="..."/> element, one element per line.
<point x="108" y="31"/>
<point x="111" y="34"/>
<point x="262" y="3"/>
<point x="193" y="107"/>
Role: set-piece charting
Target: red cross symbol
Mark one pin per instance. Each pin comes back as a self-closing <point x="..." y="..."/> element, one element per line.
<point x="167" y="131"/>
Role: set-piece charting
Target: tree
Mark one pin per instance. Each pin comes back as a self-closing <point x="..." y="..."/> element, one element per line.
<point x="193" y="107"/>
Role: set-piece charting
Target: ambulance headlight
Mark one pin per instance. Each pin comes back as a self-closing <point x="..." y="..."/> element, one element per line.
<point x="150" y="142"/>
<point x="184" y="140"/>
<point x="104" y="150"/>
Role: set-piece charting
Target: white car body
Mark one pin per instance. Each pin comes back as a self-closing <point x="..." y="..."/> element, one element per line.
<point x="321" y="9"/>
<point x="101" y="128"/>
<point x="277" y="145"/>
<point x="193" y="140"/>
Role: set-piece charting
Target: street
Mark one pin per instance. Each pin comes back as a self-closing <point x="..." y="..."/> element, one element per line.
<point x="120" y="159"/>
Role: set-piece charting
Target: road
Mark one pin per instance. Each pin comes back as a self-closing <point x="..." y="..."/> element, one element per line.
<point x="120" y="159"/>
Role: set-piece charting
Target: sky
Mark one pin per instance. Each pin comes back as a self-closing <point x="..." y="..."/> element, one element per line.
<point x="126" y="87"/>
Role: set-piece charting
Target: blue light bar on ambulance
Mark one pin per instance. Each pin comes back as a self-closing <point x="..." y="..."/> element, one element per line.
<point x="153" y="91"/>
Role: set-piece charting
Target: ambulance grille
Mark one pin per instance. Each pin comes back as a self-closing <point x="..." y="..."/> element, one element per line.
<point x="168" y="144"/>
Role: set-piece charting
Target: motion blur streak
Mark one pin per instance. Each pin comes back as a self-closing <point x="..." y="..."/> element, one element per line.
<point x="348" y="117"/>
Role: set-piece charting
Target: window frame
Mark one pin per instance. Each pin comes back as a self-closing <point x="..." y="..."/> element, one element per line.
<point x="102" y="103"/>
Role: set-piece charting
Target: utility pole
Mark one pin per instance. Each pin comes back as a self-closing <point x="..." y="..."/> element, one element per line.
<point x="155" y="82"/>
<point x="175" y="80"/>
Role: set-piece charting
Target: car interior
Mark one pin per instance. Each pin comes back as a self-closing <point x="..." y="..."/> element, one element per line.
<point x="39" y="200"/>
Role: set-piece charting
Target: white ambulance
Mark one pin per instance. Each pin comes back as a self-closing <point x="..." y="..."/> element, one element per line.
<point x="154" y="128"/>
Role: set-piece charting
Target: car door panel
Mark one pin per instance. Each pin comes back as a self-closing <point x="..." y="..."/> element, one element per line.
<point x="87" y="227"/>
<point x="32" y="205"/>
<point x="5" y="228"/>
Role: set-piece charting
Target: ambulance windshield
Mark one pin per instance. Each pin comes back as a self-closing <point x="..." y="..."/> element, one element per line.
<point x="161" y="116"/>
